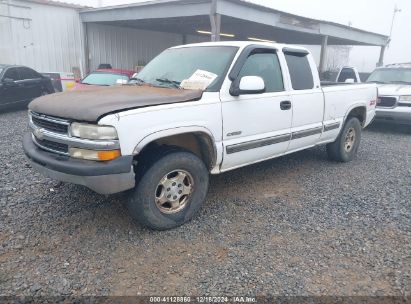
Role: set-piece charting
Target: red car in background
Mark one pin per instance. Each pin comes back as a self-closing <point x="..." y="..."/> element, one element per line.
<point x="103" y="77"/>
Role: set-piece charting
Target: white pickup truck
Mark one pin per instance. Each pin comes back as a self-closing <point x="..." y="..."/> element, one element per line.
<point x="160" y="141"/>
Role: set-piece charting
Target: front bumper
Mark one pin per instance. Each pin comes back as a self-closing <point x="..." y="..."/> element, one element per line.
<point x="398" y="115"/>
<point x="102" y="177"/>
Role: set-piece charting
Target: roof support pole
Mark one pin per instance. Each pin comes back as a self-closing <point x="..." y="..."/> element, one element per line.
<point x="86" y="50"/>
<point x="323" y="56"/>
<point x="382" y="53"/>
<point x="215" y="20"/>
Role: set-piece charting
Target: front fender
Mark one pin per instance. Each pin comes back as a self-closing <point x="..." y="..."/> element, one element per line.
<point x="170" y="132"/>
<point x="217" y="146"/>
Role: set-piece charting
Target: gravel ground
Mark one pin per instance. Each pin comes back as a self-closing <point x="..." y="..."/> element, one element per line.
<point x="298" y="225"/>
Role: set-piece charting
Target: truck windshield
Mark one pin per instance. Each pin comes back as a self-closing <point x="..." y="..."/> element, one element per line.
<point x="387" y="75"/>
<point x="172" y="66"/>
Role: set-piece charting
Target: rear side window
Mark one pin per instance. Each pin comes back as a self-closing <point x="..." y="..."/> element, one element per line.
<point x="26" y="73"/>
<point x="300" y="71"/>
<point x="345" y="74"/>
<point x="267" y="66"/>
<point x="11" y="74"/>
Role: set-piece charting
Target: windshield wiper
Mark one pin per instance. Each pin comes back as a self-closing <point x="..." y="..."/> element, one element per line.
<point x="174" y="83"/>
<point x="140" y="81"/>
<point x="376" y="81"/>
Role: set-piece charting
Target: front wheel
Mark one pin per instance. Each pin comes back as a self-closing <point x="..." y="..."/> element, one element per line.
<point x="170" y="191"/>
<point x="345" y="148"/>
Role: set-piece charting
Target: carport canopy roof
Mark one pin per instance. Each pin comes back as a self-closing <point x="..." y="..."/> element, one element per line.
<point x="242" y="19"/>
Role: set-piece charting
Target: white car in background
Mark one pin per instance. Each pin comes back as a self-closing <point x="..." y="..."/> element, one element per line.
<point x="394" y="93"/>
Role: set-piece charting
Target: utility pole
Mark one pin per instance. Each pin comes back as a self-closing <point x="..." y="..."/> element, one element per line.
<point x="396" y="10"/>
<point x="387" y="45"/>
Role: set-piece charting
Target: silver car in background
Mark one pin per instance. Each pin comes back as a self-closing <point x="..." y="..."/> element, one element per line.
<point x="394" y="93"/>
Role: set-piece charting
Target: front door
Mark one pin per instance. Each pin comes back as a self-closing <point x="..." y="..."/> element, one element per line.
<point x="257" y="126"/>
<point x="11" y="90"/>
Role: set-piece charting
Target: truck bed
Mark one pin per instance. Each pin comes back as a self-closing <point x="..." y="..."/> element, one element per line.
<point x="340" y="97"/>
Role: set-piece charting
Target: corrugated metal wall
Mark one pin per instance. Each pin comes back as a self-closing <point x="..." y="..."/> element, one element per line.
<point x="44" y="37"/>
<point x="50" y="39"/>
<point x="124" y="47"/>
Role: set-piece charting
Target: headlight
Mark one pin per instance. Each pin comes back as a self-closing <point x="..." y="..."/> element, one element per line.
<point x="89" y="131"/>
<point x="405" y="98"/>
<point x="94" y="155"/>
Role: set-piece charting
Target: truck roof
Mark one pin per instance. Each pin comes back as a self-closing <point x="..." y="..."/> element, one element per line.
<point x="242" y="44"/>
<point x="4" y="66"/>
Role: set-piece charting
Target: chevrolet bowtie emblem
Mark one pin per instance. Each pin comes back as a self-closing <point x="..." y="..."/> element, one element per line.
<point x="39" y="133"/>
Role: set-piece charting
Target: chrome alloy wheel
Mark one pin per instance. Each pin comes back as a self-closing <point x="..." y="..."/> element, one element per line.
<point x="173" y="191"/>
<point x="350" y="140"/>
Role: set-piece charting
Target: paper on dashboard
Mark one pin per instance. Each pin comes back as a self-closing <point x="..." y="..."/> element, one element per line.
<point x="200" y="80"/>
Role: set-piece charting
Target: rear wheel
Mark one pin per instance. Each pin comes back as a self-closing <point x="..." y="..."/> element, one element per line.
<point x="170" y="191"/>
<point x="345" y="148"/>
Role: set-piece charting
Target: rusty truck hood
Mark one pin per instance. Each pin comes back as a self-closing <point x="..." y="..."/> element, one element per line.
<point x="91" y="105"/>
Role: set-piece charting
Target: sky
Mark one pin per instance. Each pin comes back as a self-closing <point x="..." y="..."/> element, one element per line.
<point x="370" y="15"/>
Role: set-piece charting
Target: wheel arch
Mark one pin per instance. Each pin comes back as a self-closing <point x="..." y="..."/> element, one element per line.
<point x="196" y="139"/>
<point x="359" y="111"/>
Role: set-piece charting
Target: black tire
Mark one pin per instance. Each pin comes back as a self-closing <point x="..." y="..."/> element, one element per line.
<point x="338" y="151"/>
<point x="142" y="202"/>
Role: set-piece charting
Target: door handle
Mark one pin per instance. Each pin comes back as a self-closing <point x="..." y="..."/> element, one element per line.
<point x="285" y="105"/>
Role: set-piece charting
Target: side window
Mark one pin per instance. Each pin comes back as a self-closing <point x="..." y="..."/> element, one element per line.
<point x="300" y="71"/>
<point x="267" y="66"/>
<point x="26" y="73"/>
<point x="345" y="74"/>
<point x="12" y="74"/>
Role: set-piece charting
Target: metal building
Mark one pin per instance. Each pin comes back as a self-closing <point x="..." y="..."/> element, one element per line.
<point x="44" y="35"/>
<point x="51" y="36"/>
<point x="187" y="21"/>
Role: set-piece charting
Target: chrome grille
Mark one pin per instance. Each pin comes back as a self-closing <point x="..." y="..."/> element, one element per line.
<point x="52" y="134"/>
<point x="45" y="123"/>
<point x="50" y="126"/>
<point x="49" y="123"/>
<point x="51" y="146"/>
<point x="387" y="102"/>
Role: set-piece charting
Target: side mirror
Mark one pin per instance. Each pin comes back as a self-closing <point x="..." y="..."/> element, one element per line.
<point x="349" y="80"/>
<point x="247" y="85"/>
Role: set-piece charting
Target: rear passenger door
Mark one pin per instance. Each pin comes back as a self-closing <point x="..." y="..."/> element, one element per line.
<point x="307" y="100"/>
<point x="256" y="126"/>
<point x="30" y="82"/>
